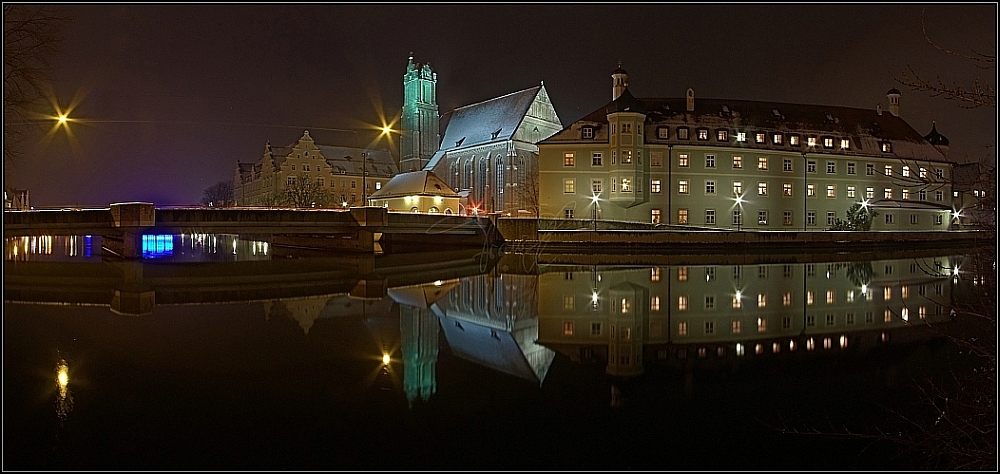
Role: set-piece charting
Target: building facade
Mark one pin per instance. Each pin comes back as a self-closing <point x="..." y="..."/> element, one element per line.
<point x="487" y="150"/>
<point x="306" y="174"/>
<point x="744" y="165"/>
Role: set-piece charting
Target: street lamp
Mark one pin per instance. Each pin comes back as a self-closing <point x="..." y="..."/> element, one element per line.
<point x="739" y="222"/>
<point x="594" y="201"/>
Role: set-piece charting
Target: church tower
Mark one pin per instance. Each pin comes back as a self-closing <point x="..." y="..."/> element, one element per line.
<point x="421" y="138"/>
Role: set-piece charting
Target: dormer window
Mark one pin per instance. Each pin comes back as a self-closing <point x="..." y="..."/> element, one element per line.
<point x="811" y="141"/>
<point x="459" y="142"/>
<point x="587" y="132"/>
<point x="886" y="147"/>
<point x="495" y="134"/>
<point x="741" y="136"/>
<point x="703" y="134"/>
<point x="777" y="139"/>
<point x="682" y="133"/>
<point x="845" y="144"/>
<point x="827" y="142"/>
<point x="793" y="140"/>
<point x="722" y="135"/>
<point x="663" y="133"/>
<point x="758" y="138"/>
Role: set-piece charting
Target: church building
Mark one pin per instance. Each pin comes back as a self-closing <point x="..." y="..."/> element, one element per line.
<point x="485" y="151"/>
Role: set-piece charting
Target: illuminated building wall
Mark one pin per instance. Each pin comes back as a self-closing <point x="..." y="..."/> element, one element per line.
<point x="339" y="176"/>
<point x="747" y="165"/>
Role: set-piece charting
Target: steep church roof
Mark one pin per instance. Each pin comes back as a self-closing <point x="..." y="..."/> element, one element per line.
<point x="484" y="122"/>
<point x="414" y="183"/>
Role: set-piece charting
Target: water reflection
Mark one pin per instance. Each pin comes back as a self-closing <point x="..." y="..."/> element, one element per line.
<point x="64" y="399"/>
<point x="623" y="317"/>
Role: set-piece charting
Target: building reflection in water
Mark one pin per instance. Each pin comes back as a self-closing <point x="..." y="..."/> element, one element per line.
<point x="202" y="247"/>
<point x="624" y="316"/>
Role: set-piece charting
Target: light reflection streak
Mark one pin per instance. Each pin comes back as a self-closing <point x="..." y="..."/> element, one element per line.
<point x="64" y="399"/>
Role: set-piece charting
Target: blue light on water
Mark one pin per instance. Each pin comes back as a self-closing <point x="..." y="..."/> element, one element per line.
<point x="87" y="246"/>
<point x="156" y="246"/>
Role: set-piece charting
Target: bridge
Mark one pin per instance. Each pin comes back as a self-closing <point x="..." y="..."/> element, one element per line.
<point x="360" y="229"/>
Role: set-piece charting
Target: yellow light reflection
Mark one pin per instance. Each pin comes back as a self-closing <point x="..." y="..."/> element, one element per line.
<point x="385" y="359"/>
<point x="64" y="400"/>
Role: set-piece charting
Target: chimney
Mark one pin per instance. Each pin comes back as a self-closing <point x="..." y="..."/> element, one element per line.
<point x="690" y="100"/>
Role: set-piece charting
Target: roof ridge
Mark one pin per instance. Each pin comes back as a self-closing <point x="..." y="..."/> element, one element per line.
<point x="495" y="98"/>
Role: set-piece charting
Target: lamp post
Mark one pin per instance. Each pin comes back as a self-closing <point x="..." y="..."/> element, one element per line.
<point x="595" y="198"/>
<point x="739" y="205"/>
<point x="364" y="178"/>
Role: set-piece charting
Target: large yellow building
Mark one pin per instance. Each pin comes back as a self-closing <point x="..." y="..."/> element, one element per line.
<point x="744" y="165"/>
<point x="305" y="174"/>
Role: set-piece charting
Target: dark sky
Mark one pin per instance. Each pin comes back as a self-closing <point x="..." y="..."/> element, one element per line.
<point x="173" y="96"/>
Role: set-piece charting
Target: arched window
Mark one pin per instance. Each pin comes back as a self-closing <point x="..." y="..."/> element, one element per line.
<point x="433" y="210"/>
<point x="455" y="177"/>
<point x="447" y="211"/>
<point x="467" y="182"/>
<point x="414" y="210"/>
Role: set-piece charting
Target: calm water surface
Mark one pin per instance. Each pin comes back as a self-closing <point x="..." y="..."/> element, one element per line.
<point x="222" y="353"/>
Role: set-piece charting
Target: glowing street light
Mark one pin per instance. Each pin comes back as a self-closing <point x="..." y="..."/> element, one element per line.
<point x="594" y="202"/>
<point x="739" y="222"/>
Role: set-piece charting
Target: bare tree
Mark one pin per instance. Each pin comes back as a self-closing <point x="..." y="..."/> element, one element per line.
<point x="31" y="37"/>
<point x="304" y="193"/>
<point x="979" y="93"/>
<point x="218" y="195"/>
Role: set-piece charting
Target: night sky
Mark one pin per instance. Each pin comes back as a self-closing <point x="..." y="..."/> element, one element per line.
<point x="170" y="98"/>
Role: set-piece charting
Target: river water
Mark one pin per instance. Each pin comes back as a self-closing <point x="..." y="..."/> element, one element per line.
<point x="216" y="352"/>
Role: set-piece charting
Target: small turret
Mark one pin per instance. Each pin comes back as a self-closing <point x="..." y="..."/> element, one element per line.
<point x="939" y="141"/>
<point x="893" y="96"/>
<point x="619" y="81"/>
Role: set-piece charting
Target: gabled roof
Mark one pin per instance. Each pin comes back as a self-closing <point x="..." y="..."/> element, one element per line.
<point x="348" y="159"/>
<point x="414" y="183"/>
<point x="484" y="122"/>
<point x="866" y="128"/>
<point x="504" y="351"/>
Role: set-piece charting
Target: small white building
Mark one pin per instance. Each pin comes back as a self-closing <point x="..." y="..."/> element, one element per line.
<point x="417" y="192"/>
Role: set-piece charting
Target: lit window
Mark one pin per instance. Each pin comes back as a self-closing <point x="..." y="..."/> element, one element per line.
<point x="654" y="186"/>
<point x="906" y="171"/>
<point x="682" y="329"/>
<point x="596" y="159"/>
<point x="741" y="136"/>
<point x="762" y="163"/>
<point x="722" y="135"/>
<point x="654" y="303"/>
<point x="569" y="159"/>
<point x="626" y="185"/>
<point x="845" y="144"/>
<point x="626" y="157"/>
<point x="682" y="160"/>
<point x="793" y="140"/>
<point x="738" y="188"/>
<point x="682" y="216"/>
<point x="682" y="273"/>
<point x="654" y="274"/>
<point x="923" y="172"/>
<point x="682" y="186"/>
<point x="886" y="147"/>
<point x="762" y="188"/>
<point x="888" y="193"/>
<point x="758" y="138"/>
<point x="851" y="192"/>
<point x="869" y="192"/>
<point x="831" y="190"/>
<point x="776" y="138"/>
<point x="568" y="328"/>
<point x="786" y="299"/>
<point x="737" y="162"/>
<point x="761" y="217"/>
<point x="703" y="134"/>
<point x="682" y="304"/>
<point x="761" y="325"/>
<point x="709" y="187"/>
<point x="569" y="186"/>
<point x="761" y="300"/>
<point x="904" y="193"/>
<point x="811" y="190"/>
<point x="831" y="167"/>
<point x="810" y="297"/>
<point x="811" y="141"/>
<point x="710" y="161"/>
<point x="786" y="189"/>
<point x="938" y="220"/>
<point x="827" y="142"/>
<point x="737" y="325"/>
